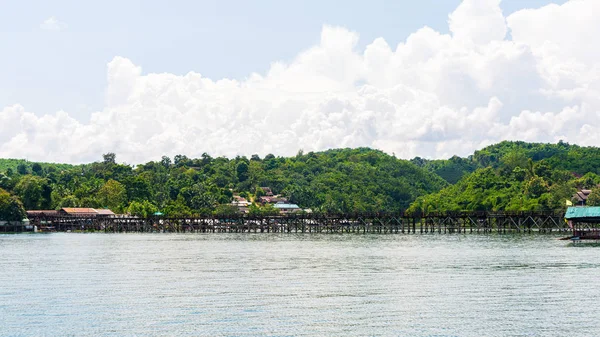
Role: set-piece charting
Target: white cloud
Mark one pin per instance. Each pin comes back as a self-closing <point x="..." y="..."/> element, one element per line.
<point x="478" y="21"/>
<point x="434" y="95"/>
<point x="53" y="24"/>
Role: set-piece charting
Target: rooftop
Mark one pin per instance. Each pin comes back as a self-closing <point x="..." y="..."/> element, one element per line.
<point x="71" y="210"/>
<point x="105" y="212"/>
<point x="582" y="195"/>
<point x="591" y="214"/>
<point x="284" y="205"/>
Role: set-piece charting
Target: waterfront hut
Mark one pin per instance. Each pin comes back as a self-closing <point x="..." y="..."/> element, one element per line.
<point x="285" y="208"/>
<point x="585" y="222"/>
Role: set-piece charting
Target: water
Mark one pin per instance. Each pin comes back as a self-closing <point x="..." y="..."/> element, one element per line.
<point x="297" y="285"/>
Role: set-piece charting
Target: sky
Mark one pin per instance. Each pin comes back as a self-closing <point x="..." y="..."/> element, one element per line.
<point x="425" y="78"/>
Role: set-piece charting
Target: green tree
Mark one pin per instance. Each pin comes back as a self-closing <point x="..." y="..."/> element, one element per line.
<point x="165" y="162"/>
<point x="142" y="209"/>
<point x="109" y="158"/>
<point x="177" y="208"/>
<point x="11" y="208"/>
<point x="112" y="195"/>
<point x="4" y="181"/>
<point x="69" y="201"/>
<point x="34" y="192"/>
<point x="594" y="198"/>
<point x="512" y="160"/>
<point x="36" y="168"/>
<point x="181" y="160"/>
<point x="22" y="169"/>
<point x="242" y="171"/>
<point x="535" y="187"/>
<point x="266" y="210"/>
<point x="226" y="209"/>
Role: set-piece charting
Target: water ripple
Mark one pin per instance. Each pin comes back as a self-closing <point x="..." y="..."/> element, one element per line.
<point x="296" y="285"/>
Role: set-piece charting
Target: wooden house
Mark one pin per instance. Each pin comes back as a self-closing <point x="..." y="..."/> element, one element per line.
<point x="581" y="197"/>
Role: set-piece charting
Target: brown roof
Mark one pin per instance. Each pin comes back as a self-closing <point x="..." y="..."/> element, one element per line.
<point x="70" y="210"/>
<point x="267" y="191"/>
<point x="42" y="212"/>
<point x="272" y="199"/>
<point x="582" y="195"/>
<point x="104" y="212"/>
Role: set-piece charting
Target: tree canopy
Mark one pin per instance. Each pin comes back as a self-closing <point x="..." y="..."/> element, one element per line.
<point x="504" y="176"/>
<point x="11" y="208"/>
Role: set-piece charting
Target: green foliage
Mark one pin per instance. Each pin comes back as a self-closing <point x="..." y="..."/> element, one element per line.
<point x="22" y="169"/>
<point x="142" y="209"/>
<point x="34" y="191"/>
<point x="519" y="176"/>
<point x="535" y="187"/>
<point x="505" y="176"/>
<point x="109" y="158"/>
<point x="451" y="170"/>
<point x="242" y="171"/>
<point x="594" y="198"/>
<point x="112" y="195"/>
<point x="11" y="208"/>
<point x="266" y="210"/>
<point x="12" y="165"/>
<point x="561" y="156"/>
<point x="226" y="209"/>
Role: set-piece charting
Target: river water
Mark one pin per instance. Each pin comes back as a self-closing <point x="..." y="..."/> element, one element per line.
<point x="76" y="284"/>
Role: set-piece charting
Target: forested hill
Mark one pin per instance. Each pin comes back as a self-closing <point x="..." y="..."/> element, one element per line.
<point x="505" y="176"/>
<point x="515" y="176"/>
<point x="577" y="159"/>
<point x="343" y="180"/>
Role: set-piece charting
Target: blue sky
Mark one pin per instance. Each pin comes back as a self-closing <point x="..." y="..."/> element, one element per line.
<point x="428" y="78"/>
<point x="46" y="71"/>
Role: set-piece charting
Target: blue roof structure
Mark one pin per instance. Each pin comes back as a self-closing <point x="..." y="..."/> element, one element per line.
<point x="583" y="213"/>
<point x="286" y="206"/>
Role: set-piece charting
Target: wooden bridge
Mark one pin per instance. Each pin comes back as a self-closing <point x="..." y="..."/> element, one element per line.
<point x="401" y="223"/>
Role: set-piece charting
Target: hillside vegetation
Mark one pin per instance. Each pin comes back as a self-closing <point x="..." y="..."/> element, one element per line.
<point x="506" y="176"/>
<point x="23" y="166"/>
<point x="343" y="180"/>
<point x="518" y="176"/>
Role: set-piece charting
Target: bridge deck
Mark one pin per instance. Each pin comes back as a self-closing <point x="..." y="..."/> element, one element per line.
<point x="457" y="222"/>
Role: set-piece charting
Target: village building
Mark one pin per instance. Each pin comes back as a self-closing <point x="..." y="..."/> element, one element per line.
<point x="584" y="221"/>
<point x="42" y="213"/>
<point x="581" y="197"/>
<point x="72" y="211"/>
<point x="242" y="204"/>
<point x="273" y="199"/>
<point x="267" y="191"/>
<point x="286" y="208"/>
<point x="104" y="212"/>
